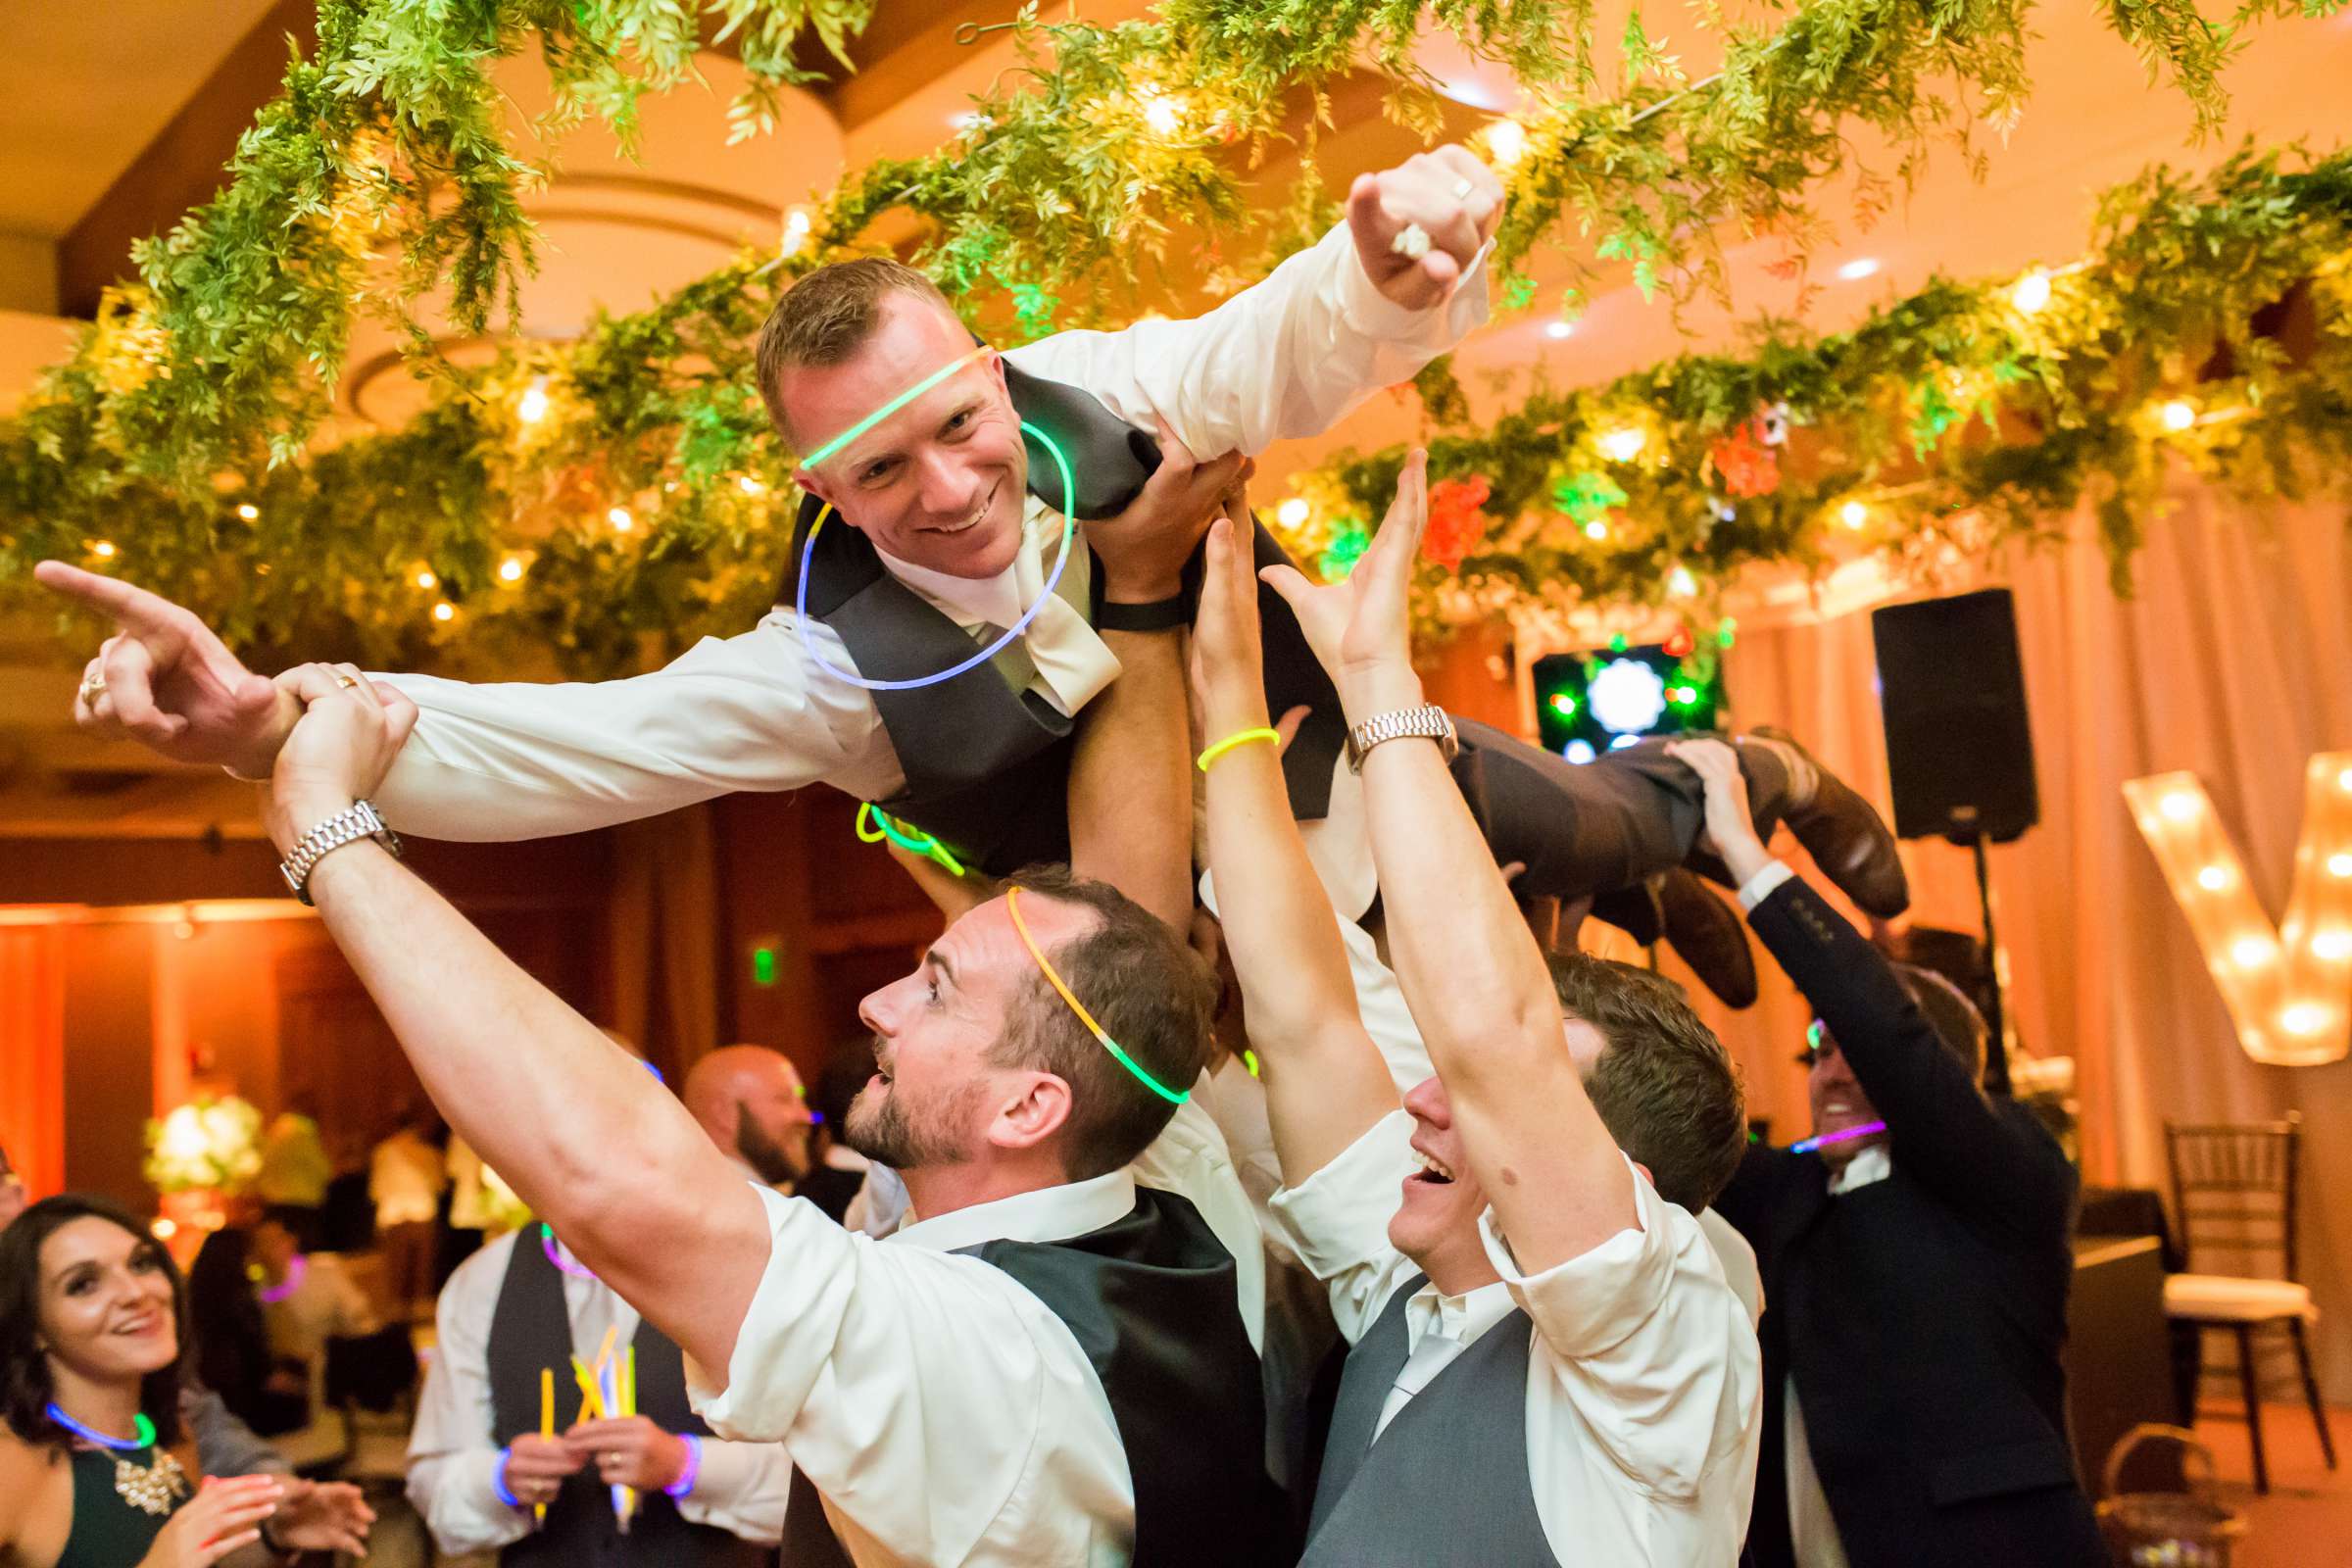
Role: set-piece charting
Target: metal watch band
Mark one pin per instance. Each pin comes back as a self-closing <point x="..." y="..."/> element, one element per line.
<point x="1160" y="614"/>
<point x="356" y="821"/>
<point x="1428" y="721"/>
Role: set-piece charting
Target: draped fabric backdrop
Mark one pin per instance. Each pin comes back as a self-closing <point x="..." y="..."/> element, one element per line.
<point x="33" y="1033"/>
<point x="2232" y="659"/>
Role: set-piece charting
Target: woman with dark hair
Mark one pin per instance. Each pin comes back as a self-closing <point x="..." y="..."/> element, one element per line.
<point x="95" y="1468"/>
<point x="231" y="1343"/>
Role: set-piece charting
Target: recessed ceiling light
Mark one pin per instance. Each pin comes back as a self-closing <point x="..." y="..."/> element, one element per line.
<point x="1558" y="328"/>
<point x="1859" y="268"/>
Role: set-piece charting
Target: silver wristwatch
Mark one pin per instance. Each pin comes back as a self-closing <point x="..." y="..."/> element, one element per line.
<point x="1397" y="724"/>
<point x="348" y="827"/>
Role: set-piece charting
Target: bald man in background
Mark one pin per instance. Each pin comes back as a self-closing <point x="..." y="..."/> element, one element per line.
<point x="751" y="1100"/>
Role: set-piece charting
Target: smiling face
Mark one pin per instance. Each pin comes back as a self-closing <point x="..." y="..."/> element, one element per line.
<point x="1839" y="1103"/>
<point x="107" y="1310"/>
<point x="1436" y="1223"/>
<point x="940" y="481"/>
<point x="935" y="1096"/>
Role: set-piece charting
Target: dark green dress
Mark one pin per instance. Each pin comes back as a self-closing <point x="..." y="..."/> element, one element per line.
<point x="108" y="1530"/>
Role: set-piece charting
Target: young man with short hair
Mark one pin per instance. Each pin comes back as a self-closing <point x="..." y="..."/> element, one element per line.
<point x="1548" y="1364"/>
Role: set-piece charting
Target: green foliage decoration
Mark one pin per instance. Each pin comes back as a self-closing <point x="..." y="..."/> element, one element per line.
<point x="181" y="432"/>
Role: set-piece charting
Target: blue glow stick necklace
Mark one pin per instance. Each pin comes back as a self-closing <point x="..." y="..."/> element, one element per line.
<point x="141" y="1425"/>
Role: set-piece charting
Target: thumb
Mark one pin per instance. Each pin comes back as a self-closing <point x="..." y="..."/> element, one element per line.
<point x="1364" y="218"/>
<point x="399" y="713"/>
<point x="252" y="694"/>
<point x="1285" y="728"/>
<point x="1289" y="582"/>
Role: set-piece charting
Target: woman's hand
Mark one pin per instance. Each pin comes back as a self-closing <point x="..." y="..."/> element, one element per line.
<point x="322" y="1516"/>
<point x="224" y="1516"/>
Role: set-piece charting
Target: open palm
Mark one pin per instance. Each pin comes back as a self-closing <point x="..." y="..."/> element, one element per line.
<point x="1360" y="622"/>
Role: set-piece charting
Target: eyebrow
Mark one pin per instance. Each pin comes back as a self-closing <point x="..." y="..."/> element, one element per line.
<point x="937" y="960"/>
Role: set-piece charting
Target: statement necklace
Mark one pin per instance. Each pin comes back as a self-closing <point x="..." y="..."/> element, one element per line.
<point x="156" y="1486"/>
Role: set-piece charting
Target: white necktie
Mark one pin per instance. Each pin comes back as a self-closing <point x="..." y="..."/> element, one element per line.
<point x="1070" y="657"/>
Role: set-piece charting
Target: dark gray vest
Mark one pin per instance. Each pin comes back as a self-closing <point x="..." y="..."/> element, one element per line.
<point x="1150" y="1298"/>
<point x="529" y="1330"/>
<point x="987" y="767"/>
<point x="1448" y="1480"/>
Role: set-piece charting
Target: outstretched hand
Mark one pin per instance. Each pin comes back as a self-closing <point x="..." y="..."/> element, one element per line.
<point x="1229" y="683"/>
<point x="165" y="680"/>
<point x="1446" y="193"/>
<point x="1358" y="626"/>
<point x="338" y="752"/>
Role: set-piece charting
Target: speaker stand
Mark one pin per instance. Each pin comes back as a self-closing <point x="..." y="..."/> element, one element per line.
<point x="1997" y="1047"/>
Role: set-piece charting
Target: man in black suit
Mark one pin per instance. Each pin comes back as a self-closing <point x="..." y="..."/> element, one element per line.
<point x="1915" y="1275"/>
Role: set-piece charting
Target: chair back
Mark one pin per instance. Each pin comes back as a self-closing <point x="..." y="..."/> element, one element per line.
<point x="2234" y="1188"/>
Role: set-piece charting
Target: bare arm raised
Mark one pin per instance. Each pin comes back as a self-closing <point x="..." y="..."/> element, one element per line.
<point x="1468" y="965"/>
<point x="566" y="1116"/>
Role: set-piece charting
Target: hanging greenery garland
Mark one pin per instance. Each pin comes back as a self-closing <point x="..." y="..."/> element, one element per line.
<point x="613" y="499"/>
<point x="2209" y="326"/>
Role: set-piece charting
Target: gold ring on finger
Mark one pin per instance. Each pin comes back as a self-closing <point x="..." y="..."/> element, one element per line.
<point x="93" y="687"/>
<point x="346" y="683"/>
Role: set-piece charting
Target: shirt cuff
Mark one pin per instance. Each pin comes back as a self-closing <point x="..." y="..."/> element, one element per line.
<point x="726" y="1494"/>
<point x="1338" y="1218"/>
<point x="1589" y="1304"/>
<point x="1382" y="319"/>
<point x="1763" y="885"/>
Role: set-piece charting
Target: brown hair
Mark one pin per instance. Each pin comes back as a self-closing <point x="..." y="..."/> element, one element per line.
<point x="1948" y="1012"/>
<point x="825" y="318"/>
<point x="25" y="1384"/>
<point x="1665" y="1088"/>
<point x="1146" y="988"/>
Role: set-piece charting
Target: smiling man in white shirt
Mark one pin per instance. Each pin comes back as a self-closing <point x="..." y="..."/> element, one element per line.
<point x="1052" y="1363"/>
<point x="1548" y="1364"/>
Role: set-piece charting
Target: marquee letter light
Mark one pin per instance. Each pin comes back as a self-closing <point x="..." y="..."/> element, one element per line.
<point x="2289" y="987"/>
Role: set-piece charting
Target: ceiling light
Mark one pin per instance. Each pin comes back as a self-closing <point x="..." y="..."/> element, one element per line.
<point x="1557" y="328"/>
<point x="1623" y="445"/>
<point x="620" y="519"/>
<point x="1507" y="141"/>
<point x="425" y="579"/>
<point x="445" y="611"/>
<point x="1853" y="515"/>
<point x="2179" y="806"/>
<point x="249" y="512"/>
<point x="1292" y="512"/>
<point x="531" y="407"/>
<point x="511" y="569"/>
<point x="1861" y="267"/>
<point x="2213" y="879"/>
<point x="2180" y="414"/>
<point x="2031" y="293"/>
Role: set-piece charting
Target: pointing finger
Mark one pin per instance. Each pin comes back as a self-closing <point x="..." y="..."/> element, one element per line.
<point x="133" y="608"/>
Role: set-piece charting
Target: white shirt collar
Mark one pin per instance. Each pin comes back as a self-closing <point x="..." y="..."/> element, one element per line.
<point x="1000" y="600"/>
<point x="1871" y="1164"/>
<point x="1459" y="1318"/>
<point x="1048" y="1214"/>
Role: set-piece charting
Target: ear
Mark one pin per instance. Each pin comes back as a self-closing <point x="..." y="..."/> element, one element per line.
<point x="817" y="484"/>
<point x="1038" y="1108"/>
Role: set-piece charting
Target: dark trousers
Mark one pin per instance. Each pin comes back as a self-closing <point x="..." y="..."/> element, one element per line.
<point x="1596" y="827"/>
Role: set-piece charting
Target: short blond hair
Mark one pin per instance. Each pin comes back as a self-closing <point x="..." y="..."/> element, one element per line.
<point x="827" y="317"/>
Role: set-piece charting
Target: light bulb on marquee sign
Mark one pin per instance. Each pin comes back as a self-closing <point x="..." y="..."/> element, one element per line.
<point x="2289" y="987"/>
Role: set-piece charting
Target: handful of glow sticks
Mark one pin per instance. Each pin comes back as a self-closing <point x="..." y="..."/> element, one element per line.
<point x="608" y="1390"/>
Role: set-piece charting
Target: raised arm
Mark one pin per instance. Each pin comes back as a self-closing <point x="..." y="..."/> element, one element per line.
<point x="1325" y="1082"/>
<point x="1469" y="967"/>
<point x="1333" y="324"/>
<point x="566" y="1115"/>
<point x="1981" y="1156"/>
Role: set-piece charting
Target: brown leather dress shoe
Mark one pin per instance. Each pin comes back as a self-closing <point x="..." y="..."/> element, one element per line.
<point x="1847" y="839"/>
<point x="1709" y="935"/>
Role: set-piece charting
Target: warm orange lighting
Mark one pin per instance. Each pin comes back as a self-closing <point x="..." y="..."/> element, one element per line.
<point x="249" y="512"/>
<point x="2179" y="806"/>
<point x="2249" y="952"/>
<point x="104" y="550"/>
<point x="445" y="611"/>
<point x="620" y="519"/>
<point x="1853" y="514"/>
<point x="2213" y="878"/>
<point x="2179" y="415"/>
<point x="426" y="581"/>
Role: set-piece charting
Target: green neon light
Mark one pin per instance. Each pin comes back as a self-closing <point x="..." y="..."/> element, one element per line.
<point x="890" y="408"/>
<point x="764" y="966"/>
<point x="916" y="842"/>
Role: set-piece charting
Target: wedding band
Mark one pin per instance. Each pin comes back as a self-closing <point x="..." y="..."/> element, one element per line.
<point x="1412" y="244"/>
<point x="93" y="687"/>
<point x="346" y="683"/>
<point x="1463" y="187"/>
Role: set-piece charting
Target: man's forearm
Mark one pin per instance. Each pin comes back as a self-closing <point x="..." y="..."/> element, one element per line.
<point x="1325" y="1081"/>
<point x="566" y="1116"/>
<point x="1131" y="798"/>
<point x="1479" y="989"/>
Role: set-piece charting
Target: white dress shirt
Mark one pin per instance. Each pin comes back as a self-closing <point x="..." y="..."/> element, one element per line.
<point x="452" y="1458"/>
<point x="941" y="1410"/>
<point x="405" y="1179"/>
<point x="1812" y="1529"/>
<point x="1643" y="1370"/>
<point x="1284" y="357"/>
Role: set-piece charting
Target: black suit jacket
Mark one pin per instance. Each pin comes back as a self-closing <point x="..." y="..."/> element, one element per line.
<point x="1921" y="1316"/>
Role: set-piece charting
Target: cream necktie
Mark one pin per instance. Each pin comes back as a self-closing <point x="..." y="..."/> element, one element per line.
<point x="1070" y="657"/>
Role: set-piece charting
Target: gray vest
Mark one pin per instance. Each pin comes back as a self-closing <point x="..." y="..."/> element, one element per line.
<point x="1448" y="1482"/>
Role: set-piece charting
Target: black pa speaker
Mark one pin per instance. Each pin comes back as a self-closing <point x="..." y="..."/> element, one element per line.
<point x="1953" y="693"/>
